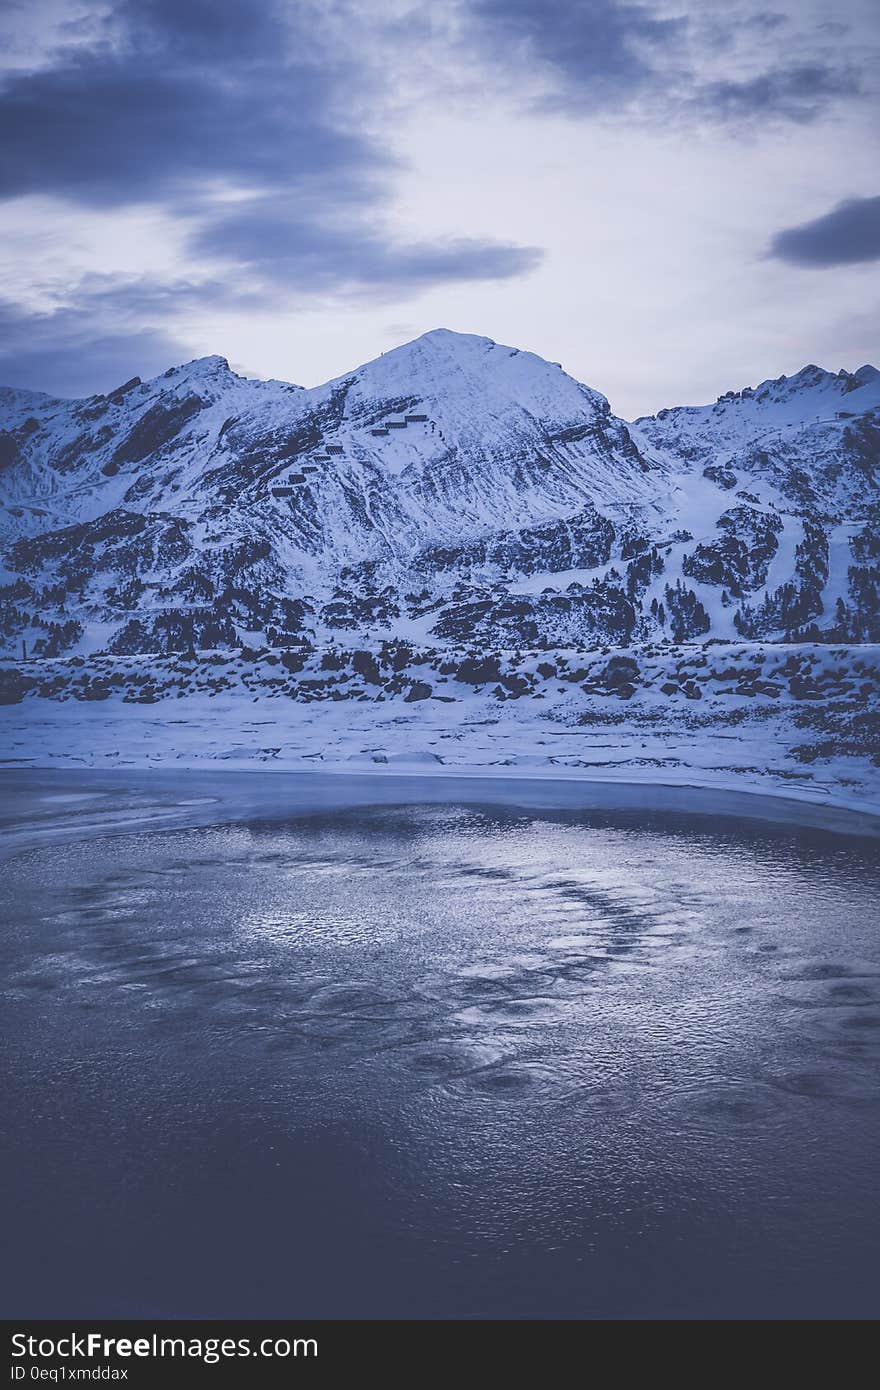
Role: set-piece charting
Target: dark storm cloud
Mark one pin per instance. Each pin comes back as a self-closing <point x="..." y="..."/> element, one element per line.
<point x="182" y="98"/>
<point x="175" y="97"/>
<point x="613" y="56"/>
<point x="235" y="30"/>
<point x="847" y="235"/>
<point x="111" y="329"/>
<point x="256" y="127"/>
<point x="793" y="94"/>
<point x="70" y="353"/>
<point x="101" y="132"/>
<point x="601" y="49"/>
<point x="268" y="238"/>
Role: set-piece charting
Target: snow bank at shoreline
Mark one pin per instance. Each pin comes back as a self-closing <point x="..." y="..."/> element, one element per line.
<point x="791" y="722"/>
<point x="65" y="805"/>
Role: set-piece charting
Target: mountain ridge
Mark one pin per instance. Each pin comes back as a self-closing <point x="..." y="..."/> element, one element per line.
<point x="865" y="373"/>
<point x="454" y="556"/>
<point x="453" y="479"/>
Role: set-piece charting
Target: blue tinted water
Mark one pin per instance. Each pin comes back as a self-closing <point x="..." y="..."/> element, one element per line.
<point x="443" y="1060"/>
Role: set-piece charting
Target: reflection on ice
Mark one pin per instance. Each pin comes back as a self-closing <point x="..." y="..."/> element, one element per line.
<point x="625" y="1040"/>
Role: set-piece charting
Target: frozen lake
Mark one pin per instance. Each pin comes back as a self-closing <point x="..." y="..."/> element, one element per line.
<point x="475" y="1055"/>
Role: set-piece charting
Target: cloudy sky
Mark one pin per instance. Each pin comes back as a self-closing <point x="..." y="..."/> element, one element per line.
<point x="673" y="198"/>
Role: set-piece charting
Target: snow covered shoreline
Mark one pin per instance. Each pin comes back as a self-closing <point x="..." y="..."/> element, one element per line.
<point x="452" y="561"/>
<point x="669" y="765"/>
<point x="65" y="804"/>
<point x="792" y="722"/>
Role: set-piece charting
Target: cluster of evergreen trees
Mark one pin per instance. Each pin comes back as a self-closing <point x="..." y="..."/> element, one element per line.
<point x="795" y="603"/>
<point x="60" y="637"/>
<point x="683" y="611"/>
<point x="175" y="631"/>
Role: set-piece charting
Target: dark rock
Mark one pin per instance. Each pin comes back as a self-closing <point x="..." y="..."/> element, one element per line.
<point x="419" y="690"/>
<point x="123" y="390"/>
<point x="515" y="685"/>
<point x="620" y="671"/>
<point x="804" y="688"/>
<point x="13" y="687"/>
<point x="365" y="664"/>
<point x="156" y="427"/>
<point x="721" y="474"/>
<point x="474" y="671"/>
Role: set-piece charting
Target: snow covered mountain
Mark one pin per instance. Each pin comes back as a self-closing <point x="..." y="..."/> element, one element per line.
<point x="454" y="491"/>
<point x="453" y="555"/>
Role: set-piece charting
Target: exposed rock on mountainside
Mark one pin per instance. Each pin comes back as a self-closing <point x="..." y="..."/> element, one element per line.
<point x="455" y="508"/>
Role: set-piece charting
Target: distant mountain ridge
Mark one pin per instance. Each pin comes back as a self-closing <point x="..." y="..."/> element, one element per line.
<point x="453" y="491"/>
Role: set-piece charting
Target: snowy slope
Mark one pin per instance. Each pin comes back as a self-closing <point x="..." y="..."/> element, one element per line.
<point x="452" y="490"/>
<point x="813" y="435"/>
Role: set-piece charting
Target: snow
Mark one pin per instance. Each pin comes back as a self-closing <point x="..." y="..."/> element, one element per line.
<point x="510" y="443"/>
<point x="220" y="734"/>
<point x="804" y="418"/>
<point x="560" y="580"/>
<point x="726" y="740"/>
<point x="839" y="561"/>
<point x="484" y="403"/>
<point x="812" y="396"/>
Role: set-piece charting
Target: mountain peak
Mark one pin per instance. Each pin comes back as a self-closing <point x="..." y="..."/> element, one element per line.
<point x="453" y="489"/>
<point x="811" y="376"/>
<point x="444" y="343"/>
<point x="449" y="337"/>
<point x="212" y="366"/>
<point x="206" y="376"/>
<point x="467" y="382"/>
